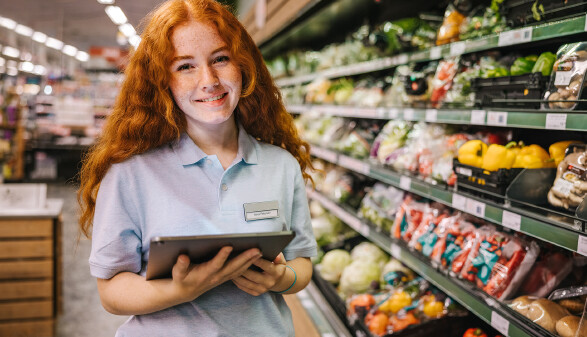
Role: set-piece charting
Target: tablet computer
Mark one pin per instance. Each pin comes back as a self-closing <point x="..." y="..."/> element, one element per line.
<point x="164" y="250"/>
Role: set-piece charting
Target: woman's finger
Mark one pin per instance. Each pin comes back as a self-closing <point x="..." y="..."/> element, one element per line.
<point x="280" y="259"/>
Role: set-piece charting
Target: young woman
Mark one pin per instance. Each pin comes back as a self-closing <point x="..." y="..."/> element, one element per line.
<point x="198" y="131"/>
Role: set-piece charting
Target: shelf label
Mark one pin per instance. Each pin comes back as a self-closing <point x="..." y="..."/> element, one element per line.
<point x="498" y="118"/>
<point x="459" y="202"/>
<point x="405" y="183"/>
<point x="586" y="23"/>
<point x="499" y="323"/>
<point x="563" y="78"/>
<point x="402" y="59"/>
<point x="435" y="52"/>
<point x="396" y="250"/>
<point x="380" y="113"/>
<point x="393" y="113"/>
<point x="464" y="171"/>
<point x="511" y="220"/>
<point x="457" y="48"/>
<point x="556" y="121"/>
<point x="354" y="164"/>
<point x="582" y="245"/>
<point x="431" y="115"/>
<point x="409" y="114"/>
<point x="365" y="230"/>
<point x="477" y="208"/>
<point x="324" y="154"/>
<point x="478" y="117"/>
<point x="515" y="36"/>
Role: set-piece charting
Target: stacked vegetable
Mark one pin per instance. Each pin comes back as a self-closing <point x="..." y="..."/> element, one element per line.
<point x="495" y="156"/>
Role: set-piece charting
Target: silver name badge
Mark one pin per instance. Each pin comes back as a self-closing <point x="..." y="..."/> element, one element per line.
<point x="261" y="210"/>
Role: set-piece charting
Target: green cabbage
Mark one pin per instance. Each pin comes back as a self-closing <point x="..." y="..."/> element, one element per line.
<point x="358" y="277"/>
<point x="333" y="263"/>
<point x="369" y="252"/>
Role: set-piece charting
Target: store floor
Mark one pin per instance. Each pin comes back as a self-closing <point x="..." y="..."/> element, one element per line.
<point x="82" y="313"/>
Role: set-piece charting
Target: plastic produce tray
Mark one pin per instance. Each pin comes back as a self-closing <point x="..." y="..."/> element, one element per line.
<point x="482" y="182"/>
<point x="510" y="91"/>
<point x="519" y="12"/>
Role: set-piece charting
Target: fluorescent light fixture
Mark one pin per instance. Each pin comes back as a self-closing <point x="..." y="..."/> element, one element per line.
<point x="127" y="29"/>
<point x="82" y="56"/>
<point x="69" y="50"/>
<point x="23" y="30"/>
<point x="40" y="70"/>
<point x="7" y="23"/>
<point x="48" y="90"/>
<point x="11" y="71"/>
<point x="116" y="15"/>
<point x="10" y="52"/>
<point x="39" y="37"/>
<point x="2" y="62"/>
<point x="134" y="41"/>
<point x="26" y="66"/>
<point x="106" y="2"/>
<point x="11" y="64"/>
<point x="54" y="43"/>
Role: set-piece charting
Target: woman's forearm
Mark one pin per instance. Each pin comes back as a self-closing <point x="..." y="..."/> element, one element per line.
<point x="303" y="274"/>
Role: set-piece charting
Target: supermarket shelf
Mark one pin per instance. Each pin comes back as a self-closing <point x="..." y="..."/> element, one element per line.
<point x="479" y="303"/>
<point x="325" y="319"/>
<point x="563" y="232"/>
<point x="534" y="119"/>
<point x="518" y="36"/>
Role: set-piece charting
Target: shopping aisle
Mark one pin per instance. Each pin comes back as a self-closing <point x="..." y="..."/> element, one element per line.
<point x="82" y="313"/>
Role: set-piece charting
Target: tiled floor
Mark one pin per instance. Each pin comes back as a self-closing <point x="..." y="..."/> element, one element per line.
<point x="82" y="314"/>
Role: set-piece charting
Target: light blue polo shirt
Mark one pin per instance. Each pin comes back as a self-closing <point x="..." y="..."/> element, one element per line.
<point x="179" y="190"/>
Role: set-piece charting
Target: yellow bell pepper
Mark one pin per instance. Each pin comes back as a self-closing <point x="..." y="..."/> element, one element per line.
<point x="557" y="150"/>
<point x="398" y="301"/>
<point x="533" y="156"/>
<point x="472" y="152"/>
<point x="499" y="156"/>
<point x="433" y="309"/>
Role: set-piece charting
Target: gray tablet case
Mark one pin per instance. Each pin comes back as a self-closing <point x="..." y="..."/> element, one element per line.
<point x="165" y="250"/>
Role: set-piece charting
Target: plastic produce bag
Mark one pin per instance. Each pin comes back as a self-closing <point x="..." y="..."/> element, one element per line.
<point x="451" y="26"/>
<point x="568" y="77"/>
<point x="380" y="205"/>
<point x="548" y="272"/>
<point x="570" y="186"/>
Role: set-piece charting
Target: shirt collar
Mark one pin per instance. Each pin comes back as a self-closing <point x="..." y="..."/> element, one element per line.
<point x="189" y="153"/>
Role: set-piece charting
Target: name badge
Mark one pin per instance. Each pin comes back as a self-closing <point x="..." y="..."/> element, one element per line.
<point x="261" y="210"/>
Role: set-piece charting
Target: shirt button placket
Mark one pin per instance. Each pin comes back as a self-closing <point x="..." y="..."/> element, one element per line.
<point x="224" y="187"/>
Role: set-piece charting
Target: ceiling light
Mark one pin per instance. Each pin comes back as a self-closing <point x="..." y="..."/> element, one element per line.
<point x="116" y="15"/>
<point x="11" y="64"/>
<point x="11" y="71"/>
<point x="69" y="50"/>
<point x="39" y="37"/>
<point x="54" y="43"/>
<point x="106" y="2"/>
<point x="23" y="30"/>
<point x="127" y="29"/>
<point x="40" y="70"/>
<point x="11" y="52"/>
<point x="134" y="41"/>
<point x="82" y="56"/>
<point x="6" y="22"/>
<point x="2" y="62"/>
<point x="26" y="66"/>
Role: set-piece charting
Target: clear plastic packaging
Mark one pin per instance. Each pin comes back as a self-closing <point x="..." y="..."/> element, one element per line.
<point x="568" y="78"/>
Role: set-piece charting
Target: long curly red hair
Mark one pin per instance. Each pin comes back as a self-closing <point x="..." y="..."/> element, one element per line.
<point x="145" y="115"/>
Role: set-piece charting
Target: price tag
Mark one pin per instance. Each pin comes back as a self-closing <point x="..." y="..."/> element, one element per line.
<point x="365" y="230"/>
<point x="586" y="23"/>
<point x="459" y="202"/>
<point x="515" y="36"/>
<point x="499" y="323"/>
<point x="393" y="113"/>
<point x="405" y="183"/>
<point x="556" y="121"/>
<point x="409" y="114"/>
<point x="582" y="245"/>
<point x="402" y="59"/>
<point x="511" y="220"/>
<point x="478" y="117"/>
<point x="324" y="154"/>
<point x="380" y="113"/>
<point x="431" y="115"/>
<point x="563" y="78"/>
<point x="435" y="52"/>
<point x="396" y="250"/>
<point x="457" y="48"/>
<point x="464" y="171"/>
<point x="498" y="118"/>
<point x="477" y="208"/>
<point x="353" y="164"/>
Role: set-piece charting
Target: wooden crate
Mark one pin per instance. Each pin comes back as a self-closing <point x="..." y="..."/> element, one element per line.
<point x="29" y="283"/>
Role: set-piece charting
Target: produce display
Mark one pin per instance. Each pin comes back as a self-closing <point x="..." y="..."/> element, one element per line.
<point x="568" y="77"/>
<point x="570" y="187"/>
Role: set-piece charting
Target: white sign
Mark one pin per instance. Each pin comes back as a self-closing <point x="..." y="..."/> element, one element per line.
<point x="498" y="118"/>
<point x="457" y="48"/>
<point x="459" y="202"/>
<point x="516" y="36"/>
<point x="409" y="114"/>
<point x="380" y="113"/>
<point x="556" y="121"/>
<point x="402" y="59"/>
<point x="405" y="183"/>
<point x="499" y="323"/>
<point x="396" y="250"/>
<point x="563" y="78"/>
<point x="353" y="164"/>
<point x="582" y="245"/>
<point x="431" y="115"/>
<point x="478" y="117"/>
<point x="365" y="230"/>
<point x="435" y="53"/>
<point x="477" y="208"/>
<point x="393" y="113"/>
<point x="511" y="220"/>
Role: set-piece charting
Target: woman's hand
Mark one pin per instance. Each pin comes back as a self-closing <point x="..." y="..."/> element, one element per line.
<point x="257" y="283"/>
<point x="192" y="280"/>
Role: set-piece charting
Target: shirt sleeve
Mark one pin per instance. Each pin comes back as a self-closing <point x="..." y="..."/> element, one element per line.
<point x="116" y="238"/>
<point x="304" y="243"/>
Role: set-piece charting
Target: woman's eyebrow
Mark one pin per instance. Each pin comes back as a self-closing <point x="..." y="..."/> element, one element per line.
<point x="187" y="57"/>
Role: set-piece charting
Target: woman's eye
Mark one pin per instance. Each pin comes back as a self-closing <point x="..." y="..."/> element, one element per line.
<point x="183" y="67"/>
<point x="221" y="59"/>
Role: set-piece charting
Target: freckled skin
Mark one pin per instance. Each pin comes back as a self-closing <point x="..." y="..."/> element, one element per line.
<point x="203" y="69"/>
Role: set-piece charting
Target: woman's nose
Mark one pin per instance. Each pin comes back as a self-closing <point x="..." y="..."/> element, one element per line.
<point x="208" y="78"/>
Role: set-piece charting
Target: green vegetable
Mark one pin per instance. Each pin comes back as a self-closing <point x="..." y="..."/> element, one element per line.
<point x="357" y="277"/>
<point x="537" y="11"/>
<point x="333" y="263"/>
<point x="522" y="65"/>
<point x="496" y="72"/>
<point x="369" y="252"/>
<point x="544" y="63"/>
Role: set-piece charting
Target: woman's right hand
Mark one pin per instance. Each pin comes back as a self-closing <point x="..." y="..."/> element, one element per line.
<point x="192" y="280"/>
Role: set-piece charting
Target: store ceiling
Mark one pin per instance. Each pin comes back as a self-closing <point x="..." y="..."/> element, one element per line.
<point x="81" y="23"/>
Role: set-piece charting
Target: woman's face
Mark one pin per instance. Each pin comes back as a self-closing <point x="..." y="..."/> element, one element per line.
<point x="205" y="82"/>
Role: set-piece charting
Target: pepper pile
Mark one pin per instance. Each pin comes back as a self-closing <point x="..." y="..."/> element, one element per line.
<point x="513" y="155"/>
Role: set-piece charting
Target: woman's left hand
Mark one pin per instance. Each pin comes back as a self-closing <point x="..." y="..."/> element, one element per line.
<point x="259" y="282"/>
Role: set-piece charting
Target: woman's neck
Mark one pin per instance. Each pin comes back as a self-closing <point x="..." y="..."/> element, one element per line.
<point x="220" y="140"/>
